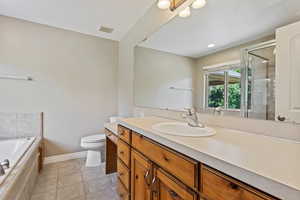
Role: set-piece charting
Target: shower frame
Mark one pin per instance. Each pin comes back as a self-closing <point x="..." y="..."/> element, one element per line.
<point x="245" y="53"/>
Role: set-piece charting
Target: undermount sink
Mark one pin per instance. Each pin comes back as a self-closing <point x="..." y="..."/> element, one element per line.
<point x="183" y="129"/>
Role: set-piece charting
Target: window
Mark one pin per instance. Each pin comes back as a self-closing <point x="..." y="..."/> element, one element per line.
<point x="223" y="88"/>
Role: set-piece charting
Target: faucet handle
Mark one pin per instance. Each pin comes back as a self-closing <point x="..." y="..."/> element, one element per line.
<point x="5" y="164"/>
<point x="190" y="111"/>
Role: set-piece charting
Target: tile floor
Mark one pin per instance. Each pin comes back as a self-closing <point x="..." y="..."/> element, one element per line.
<point x="71" y="180"/>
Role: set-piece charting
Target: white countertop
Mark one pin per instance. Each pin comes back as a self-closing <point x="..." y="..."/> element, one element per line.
<point x="112" y="127"/>
<point x="267" y="163"/>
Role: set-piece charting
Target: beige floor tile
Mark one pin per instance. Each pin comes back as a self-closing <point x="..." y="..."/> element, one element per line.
<point x="98" y="185"/>
<point x="89" y="174"/>
<point x="101" y="195"/>
<point x="71" y="192"/>
<point x="44" y="188"/>
<point x="70" y="179"/>
<point x="70" y="169"/>
<point x="44" y="196"/>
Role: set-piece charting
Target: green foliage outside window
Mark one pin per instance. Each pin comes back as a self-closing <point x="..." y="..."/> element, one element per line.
<point x="234" y="96"/>
<point x="216" y="96"/>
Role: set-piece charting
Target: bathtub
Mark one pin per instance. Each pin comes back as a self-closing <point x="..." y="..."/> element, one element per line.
<point x="13" y="150"/>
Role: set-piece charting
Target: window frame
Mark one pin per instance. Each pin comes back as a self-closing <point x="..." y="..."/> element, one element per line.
<point x="221" y="67"/>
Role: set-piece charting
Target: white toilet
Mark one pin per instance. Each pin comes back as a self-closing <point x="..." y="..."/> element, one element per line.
<point x="93" y="143"/>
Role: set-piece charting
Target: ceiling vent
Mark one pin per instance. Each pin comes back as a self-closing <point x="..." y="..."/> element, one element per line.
<point x="106" y="29"/>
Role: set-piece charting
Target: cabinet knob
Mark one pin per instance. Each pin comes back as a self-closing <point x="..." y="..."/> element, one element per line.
<point x="173" y="194"/>
<point x="165" y="158"/>
<point x="122" y="152"/>
<point x="233" y="186"/>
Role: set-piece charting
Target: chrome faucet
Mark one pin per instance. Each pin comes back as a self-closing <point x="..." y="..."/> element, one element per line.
<point x="192" y="118"/>
<point x="218" y="110"/>
<point x="4" y="165"/>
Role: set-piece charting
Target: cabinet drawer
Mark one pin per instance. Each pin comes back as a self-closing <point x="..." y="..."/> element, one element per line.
<point x="178" y="165"/>
<point x="123" y="193"/>
<point x="124" y="152"/>
<point x="123" y="174"/>
<point x="111" y="136"/>
<point x="168" y="188"/>
<point x="124" y="134"/>
<point x="216" y="186"/>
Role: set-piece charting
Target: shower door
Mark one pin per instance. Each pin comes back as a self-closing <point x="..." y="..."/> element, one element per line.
<point x="259" y="85"/>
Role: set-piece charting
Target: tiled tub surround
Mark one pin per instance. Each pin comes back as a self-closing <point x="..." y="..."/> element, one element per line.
<point x="267" y="163"/>
<point x="20" y="182"/>
<point x="71" y="180"/>
<point x="16" y="125"/>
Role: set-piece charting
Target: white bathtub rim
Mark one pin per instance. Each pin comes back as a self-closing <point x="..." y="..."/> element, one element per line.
<point x="19" y="168"/>
<point x="14" y="162"/>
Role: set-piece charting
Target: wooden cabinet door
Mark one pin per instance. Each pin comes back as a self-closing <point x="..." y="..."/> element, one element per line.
<point x="165" y="187"/>
<point x="287" y="72"/>
<point x="141" y="176"/>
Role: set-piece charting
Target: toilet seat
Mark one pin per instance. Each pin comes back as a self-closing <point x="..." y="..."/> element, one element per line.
<point x="93" y="138"/>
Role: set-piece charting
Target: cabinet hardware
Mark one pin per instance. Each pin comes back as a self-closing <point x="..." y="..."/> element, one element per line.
<point x="146" y="177"/>
<point x="154" y="186"/>
<point x="233" y="186"/>
<point x="173" y="194"/>
<point x="121" y="152"/>
<point x="122" y="133"/>
<point x="165" y="158"/>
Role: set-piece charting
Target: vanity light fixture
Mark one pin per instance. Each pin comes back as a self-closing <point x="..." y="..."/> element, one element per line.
<point x="211" y="45"/>
<point x="164" y="4"/>
<point x="185" y="13"/>
<point x="174" y="4"/>
<point x="199" y="4"/>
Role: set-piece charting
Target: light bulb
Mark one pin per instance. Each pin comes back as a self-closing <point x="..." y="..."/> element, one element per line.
<point x="199" y="4"/>
<point x="164" y="4"/>
<point x="185" y="13"/>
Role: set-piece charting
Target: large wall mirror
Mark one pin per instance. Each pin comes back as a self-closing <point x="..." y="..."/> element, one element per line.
<point x="224" y="66"/>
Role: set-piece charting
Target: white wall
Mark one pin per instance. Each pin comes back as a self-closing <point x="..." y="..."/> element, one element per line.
<point x="75" y="80"/>
<point x="155" y="72"/>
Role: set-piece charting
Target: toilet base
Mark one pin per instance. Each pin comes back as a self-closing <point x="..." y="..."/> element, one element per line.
<point x="93" y="158"/>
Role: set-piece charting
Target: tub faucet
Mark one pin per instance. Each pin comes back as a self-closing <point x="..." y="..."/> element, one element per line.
<point x="192" y="118"/>
<point x="4" y="165"/>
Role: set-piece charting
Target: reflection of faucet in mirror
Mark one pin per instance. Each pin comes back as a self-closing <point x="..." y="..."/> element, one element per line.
<point x="218" y="110"/>
<point x="192" y="118"/>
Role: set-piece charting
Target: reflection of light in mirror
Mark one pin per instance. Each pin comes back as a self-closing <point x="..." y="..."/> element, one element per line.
<point x="185" y="13"/>
<point x="199" y="4"/>
<point x="211" y="45"/>
<point x="164" y="4"/>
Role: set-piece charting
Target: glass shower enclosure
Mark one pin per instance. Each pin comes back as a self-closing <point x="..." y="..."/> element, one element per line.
<point x="258" y="84"/>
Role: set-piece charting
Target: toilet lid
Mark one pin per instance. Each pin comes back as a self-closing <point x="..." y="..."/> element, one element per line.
<point x="93" y="138"/>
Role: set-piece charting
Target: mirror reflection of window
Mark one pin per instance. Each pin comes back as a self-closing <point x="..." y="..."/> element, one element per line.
<point x="224" y="89"/>
<point x="216" y="89"/>
<point x="234" y="88"/>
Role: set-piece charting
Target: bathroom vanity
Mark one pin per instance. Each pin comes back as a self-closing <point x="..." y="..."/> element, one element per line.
<point x="152" y="165"/>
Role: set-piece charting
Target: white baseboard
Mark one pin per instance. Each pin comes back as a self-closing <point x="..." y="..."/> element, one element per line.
<point x="64" y="157"/>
